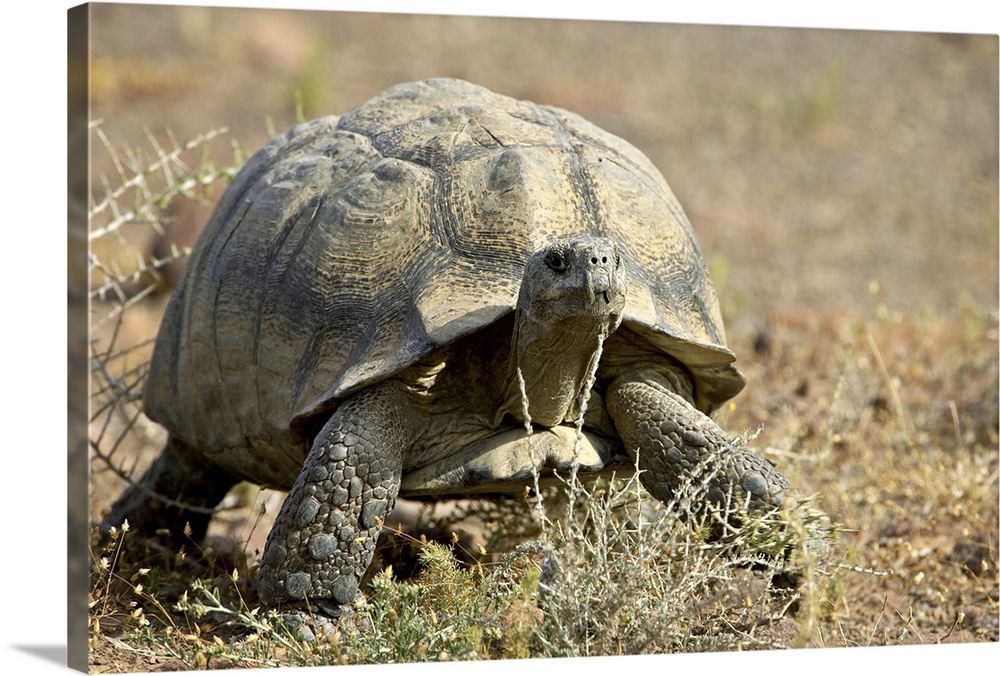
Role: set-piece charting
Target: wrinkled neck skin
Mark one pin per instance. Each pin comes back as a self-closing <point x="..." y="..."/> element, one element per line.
<point x="551" y="363"/>
<point x="572" y="297"/>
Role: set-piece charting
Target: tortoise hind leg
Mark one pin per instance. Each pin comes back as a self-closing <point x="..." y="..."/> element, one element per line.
<point x="180" y="489"/>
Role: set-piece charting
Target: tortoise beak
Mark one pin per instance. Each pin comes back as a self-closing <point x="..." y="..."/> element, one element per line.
<point x="604" y="274"/>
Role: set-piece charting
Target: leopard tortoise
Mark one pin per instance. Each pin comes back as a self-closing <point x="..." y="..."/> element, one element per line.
<point x="382" y="300"/>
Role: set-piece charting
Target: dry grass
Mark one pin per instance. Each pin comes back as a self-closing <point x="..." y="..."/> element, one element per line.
<point x="894" y="420"/>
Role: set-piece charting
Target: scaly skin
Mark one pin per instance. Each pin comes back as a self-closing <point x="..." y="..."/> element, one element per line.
<point x="324" y="537"/>
<point x="672" y="438"/>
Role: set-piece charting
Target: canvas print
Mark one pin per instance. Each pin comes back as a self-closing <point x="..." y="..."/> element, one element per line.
<point x="426" y="338"/>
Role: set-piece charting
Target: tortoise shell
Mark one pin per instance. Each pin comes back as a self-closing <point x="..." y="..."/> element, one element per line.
<point x="350" y="247"/>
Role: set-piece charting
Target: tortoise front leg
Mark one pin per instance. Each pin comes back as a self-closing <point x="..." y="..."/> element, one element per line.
<point x="672" y="438"/>
<point x="324" y="536"/>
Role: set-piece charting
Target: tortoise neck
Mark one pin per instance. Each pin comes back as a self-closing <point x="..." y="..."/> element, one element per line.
<point x="551" y="365"/>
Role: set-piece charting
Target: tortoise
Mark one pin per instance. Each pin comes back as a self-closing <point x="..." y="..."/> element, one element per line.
<point x="443" y="292"/>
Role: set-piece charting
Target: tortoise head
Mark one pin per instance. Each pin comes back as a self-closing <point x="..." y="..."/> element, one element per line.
<point x="581" y="279"/>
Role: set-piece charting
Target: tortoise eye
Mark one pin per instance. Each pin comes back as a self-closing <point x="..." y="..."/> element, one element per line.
<point x="555" y="261"/>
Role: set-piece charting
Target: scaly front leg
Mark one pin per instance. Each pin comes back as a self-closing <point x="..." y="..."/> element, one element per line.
<point x="673" y="438"/>
<point x="324" y="537"/>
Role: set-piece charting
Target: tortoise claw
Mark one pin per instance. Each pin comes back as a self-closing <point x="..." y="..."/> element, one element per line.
<point x="316" y="621"/>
